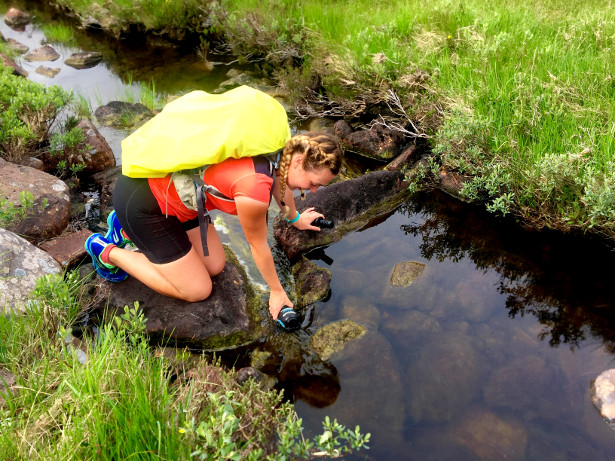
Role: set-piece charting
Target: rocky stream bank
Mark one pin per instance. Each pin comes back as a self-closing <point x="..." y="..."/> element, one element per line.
<point x="51" y="239"/>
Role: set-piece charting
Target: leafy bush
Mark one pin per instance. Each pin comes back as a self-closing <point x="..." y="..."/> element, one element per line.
<point x="27" y="112"/>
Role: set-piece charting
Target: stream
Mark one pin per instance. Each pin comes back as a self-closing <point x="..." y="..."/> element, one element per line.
<point x="489" y="354"/>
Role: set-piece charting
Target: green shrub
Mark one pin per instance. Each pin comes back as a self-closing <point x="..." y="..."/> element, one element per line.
<point x="11" y="214"/>
<point x="27" y="112"/>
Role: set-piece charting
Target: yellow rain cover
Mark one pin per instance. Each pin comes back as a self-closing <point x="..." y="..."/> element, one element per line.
<point x="202" y="129"/>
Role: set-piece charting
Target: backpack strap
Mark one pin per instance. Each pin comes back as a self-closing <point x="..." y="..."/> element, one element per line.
<point x="262" y="164"/>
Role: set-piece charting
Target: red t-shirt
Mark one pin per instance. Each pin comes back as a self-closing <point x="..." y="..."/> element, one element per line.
<point x="233" y="177"/>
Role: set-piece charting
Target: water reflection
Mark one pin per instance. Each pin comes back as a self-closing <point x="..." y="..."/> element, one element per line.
<point x="453" y="367"/>
<point x="561" y="280"/>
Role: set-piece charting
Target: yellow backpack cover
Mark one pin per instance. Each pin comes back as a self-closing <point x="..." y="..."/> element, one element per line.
<point x="200" y="129"/>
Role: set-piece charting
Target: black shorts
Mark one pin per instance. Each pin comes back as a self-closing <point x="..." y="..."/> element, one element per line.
<point x="161" y="238"/>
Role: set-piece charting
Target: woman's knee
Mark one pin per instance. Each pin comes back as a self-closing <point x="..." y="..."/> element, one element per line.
<point x="199" y="292"/>
<point x="216" y="267"/>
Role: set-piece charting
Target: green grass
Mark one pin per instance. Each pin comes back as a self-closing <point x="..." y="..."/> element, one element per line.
<point x="534" y="78"/>
<point x="131" y="401"/>
<point x="522" y="88"/>
<point x="59" y="33"/>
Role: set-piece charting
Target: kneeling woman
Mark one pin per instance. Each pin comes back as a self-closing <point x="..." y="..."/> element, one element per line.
<point x="150" y="214"/>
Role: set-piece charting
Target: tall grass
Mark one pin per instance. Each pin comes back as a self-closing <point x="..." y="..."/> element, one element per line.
<point x="536" y="77"/>
<point x="59" y="33"/>
<point x="125" y="400"/>
<point x="522" y="88"/>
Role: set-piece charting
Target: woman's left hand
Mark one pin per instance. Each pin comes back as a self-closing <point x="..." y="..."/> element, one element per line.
<point x="306" y="218"/>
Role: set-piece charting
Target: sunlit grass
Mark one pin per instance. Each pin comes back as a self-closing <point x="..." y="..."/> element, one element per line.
<point x="535" y="78"/>
<point x="114" y="397"/>
<point x="59" y="33"/>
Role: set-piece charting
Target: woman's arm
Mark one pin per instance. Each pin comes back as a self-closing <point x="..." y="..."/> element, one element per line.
<point x="252" y="217"/>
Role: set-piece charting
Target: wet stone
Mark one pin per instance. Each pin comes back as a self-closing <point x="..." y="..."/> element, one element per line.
<point x="332" y="338"/>
<point x="410" y="328"/>
<point x="491" y="437"/>
<point x="50" y="72"/>
<point x="311" y="281"/>
<point x="351" y="205"/>
<point x="84" y="59"/>
<point x="122" y="114"/>
<point x="44" y="53"/>
<point x="405" y="273"/>
<point x="17" y="18"/>
<point x="359" y="310"/>
<point x="603" y="395"/>
<point x="16" y="46"/>
<point x="443" y="380"/>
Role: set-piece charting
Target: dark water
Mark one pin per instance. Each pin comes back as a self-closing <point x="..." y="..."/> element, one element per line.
<point x="489" y="354"/>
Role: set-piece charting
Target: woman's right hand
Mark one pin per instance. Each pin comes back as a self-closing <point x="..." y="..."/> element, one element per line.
<point x="277" y="300"/>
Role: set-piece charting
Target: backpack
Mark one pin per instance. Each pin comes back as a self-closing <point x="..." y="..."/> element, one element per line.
<point x="200" y="129"/>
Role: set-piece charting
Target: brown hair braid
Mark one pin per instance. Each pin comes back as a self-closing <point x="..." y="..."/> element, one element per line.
<point x="320" y="150"/>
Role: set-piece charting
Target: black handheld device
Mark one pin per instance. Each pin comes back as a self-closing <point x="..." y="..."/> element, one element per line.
<point x="323" y="223"/>
<point x="288" y="319"/>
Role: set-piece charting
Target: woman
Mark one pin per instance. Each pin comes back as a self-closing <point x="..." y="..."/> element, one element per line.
<point x="150" y="214"/>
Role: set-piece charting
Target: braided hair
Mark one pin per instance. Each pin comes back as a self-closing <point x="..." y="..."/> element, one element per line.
<point x="320" y="150"/>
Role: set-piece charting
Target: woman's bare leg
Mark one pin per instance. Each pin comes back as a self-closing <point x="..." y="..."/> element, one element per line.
<point x="187" y="278"/>
<point x="216" y="259"/>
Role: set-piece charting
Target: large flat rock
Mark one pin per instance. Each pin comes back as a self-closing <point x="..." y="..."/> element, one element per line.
<point x="232" y="316"/>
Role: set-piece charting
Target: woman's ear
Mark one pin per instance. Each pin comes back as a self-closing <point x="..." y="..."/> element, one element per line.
<point x="297" y="161"/>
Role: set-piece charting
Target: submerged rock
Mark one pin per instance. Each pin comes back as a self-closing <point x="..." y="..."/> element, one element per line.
<point x="603" y="395"/>
<point x="361" y="311"/>
<point x="232" y="316"/>
<point x="405" y="273"/>
<point x="351" y="205"/>
<point x="49" y="72"/>
<point x="366" y="365"/>
<point x="332" y="338"/>
<point x="311" y="281"/>
<point x="410" y="328"/>
<point x="443" y="380"/>
<point x="21" y="265"/>
<point x="491" y="437"/>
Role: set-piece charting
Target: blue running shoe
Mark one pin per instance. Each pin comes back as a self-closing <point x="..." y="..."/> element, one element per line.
<point x="115" y="234"/>
<point x="95" y="245"/>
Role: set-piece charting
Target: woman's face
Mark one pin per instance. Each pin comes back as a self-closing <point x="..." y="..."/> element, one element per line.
<point x="311" y="180"/>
